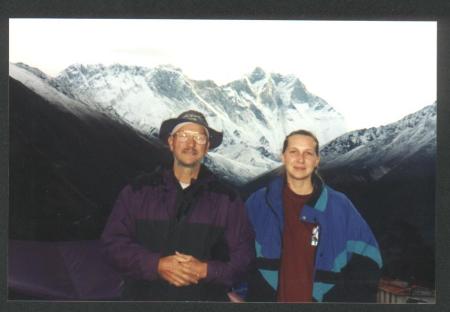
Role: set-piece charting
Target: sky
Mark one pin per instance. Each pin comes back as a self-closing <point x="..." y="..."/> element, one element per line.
<point x="372" y="72"/>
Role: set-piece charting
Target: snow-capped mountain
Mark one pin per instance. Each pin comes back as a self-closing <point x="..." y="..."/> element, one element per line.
<point x="39" y="82"/>
<point x="255" y="112"/>
<point x="378" y="151"/>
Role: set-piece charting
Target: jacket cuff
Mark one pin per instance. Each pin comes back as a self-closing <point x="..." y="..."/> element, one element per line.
<point x="214" y="271"/>
<point x="150" y="267"/>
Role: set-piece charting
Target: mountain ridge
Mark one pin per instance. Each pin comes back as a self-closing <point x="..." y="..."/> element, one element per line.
<point x="389" y="145"/>
<point x="254" y="112"/>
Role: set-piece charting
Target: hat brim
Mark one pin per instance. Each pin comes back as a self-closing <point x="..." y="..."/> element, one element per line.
<point x="215" y="137"/>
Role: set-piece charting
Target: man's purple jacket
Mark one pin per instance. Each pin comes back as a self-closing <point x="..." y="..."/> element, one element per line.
<point x="153" y="217"/>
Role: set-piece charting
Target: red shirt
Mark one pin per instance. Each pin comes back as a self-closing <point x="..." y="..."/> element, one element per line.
<point x="297" y="258"/>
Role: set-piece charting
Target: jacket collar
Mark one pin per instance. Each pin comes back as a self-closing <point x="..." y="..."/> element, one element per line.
<point x="204" y="177"/>
<point x="274" y="194"/>
<point x="319" y="197"/>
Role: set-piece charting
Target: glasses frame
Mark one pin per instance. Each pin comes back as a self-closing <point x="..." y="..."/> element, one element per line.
<point x="183" y="137"/>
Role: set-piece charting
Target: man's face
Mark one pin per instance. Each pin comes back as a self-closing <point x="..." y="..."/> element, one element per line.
<point x="300" y="158"/>
<point x="187" y="152"/>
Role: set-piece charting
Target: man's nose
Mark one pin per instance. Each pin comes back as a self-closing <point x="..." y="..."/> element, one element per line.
<point x="190" y="140"/>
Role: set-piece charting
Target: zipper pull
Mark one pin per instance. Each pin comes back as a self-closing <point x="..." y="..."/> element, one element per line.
<point x="315" y="236"/>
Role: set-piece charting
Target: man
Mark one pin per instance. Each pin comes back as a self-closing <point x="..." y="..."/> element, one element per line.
<point x="179" y="233"/>
<point x="312" y="244"/>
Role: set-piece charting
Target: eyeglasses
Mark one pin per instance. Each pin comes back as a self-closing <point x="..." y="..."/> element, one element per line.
<point x="199" y="138"/>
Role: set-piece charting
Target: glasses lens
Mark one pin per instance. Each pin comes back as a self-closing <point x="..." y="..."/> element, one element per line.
<point x="198" y="138"/>
<point x="182" y="137"/>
